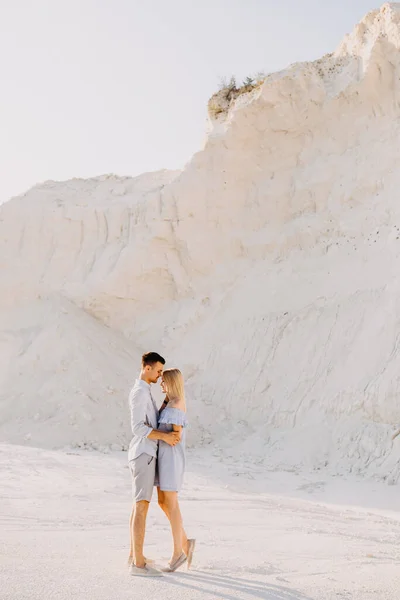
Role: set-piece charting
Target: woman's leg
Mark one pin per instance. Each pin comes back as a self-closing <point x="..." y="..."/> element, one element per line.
<point x="172" y="510"/>
<point x="164" y="507"/>
<point x="130" y="559"/>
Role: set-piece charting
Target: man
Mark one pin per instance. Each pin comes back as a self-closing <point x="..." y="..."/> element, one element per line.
<point x="142" y="456"/>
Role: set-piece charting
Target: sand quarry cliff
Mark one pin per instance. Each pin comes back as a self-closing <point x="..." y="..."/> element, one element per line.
<point x="268" y="270"/>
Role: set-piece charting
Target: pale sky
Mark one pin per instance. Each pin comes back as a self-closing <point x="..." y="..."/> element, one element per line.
<point x="121" y="86"/>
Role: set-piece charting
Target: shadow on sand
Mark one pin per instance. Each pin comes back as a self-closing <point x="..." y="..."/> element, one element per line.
<point x="231" y="588"/>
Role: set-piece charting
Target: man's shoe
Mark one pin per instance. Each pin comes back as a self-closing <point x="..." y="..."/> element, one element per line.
<point x="145" y="571"/>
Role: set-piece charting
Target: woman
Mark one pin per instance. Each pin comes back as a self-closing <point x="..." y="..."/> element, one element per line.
<point x="171" y="466"/>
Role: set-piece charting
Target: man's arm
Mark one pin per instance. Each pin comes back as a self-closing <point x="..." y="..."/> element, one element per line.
<point x="138" y="421"/>
<point x="172" y="438"/>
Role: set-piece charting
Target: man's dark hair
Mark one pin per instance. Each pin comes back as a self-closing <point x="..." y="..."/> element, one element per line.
<point x="151" y="358"/>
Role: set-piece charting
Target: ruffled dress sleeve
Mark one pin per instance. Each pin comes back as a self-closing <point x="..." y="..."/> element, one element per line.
<point x="173" y="416"/>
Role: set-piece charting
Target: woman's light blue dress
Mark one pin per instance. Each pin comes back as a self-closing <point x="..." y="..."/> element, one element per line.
<point x="171" y="459"/>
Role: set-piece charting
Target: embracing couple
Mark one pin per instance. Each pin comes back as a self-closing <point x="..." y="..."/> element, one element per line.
<point x="157" y="458"/>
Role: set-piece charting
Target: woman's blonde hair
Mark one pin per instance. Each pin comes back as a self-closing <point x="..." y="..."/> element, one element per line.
<point x="174" y="381"/>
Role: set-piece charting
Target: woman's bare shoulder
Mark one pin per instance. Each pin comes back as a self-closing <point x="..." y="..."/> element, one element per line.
<point x="177" y="403"/>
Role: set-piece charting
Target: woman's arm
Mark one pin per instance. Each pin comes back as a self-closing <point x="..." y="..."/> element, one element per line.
<point x="178" y="429"/>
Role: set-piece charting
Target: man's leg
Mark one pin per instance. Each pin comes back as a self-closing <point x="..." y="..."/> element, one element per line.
<point x="138" y="531"/>
<point x="143" y="472"/>
<point x="164" y="507"/>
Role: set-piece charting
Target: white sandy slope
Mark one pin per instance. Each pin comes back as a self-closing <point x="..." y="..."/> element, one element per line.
<point x="69" y="375"/>
<point x="268" y="270"/>
<point x="64" y="533"/>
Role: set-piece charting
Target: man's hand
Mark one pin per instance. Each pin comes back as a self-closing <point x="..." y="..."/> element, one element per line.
<point x="172" y="439"/>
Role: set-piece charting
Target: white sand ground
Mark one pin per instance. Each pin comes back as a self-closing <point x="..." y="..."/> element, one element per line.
<point x="272" y="536"/>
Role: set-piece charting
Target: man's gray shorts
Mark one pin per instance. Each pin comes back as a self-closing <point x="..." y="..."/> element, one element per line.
<point x="143" y="471"/>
